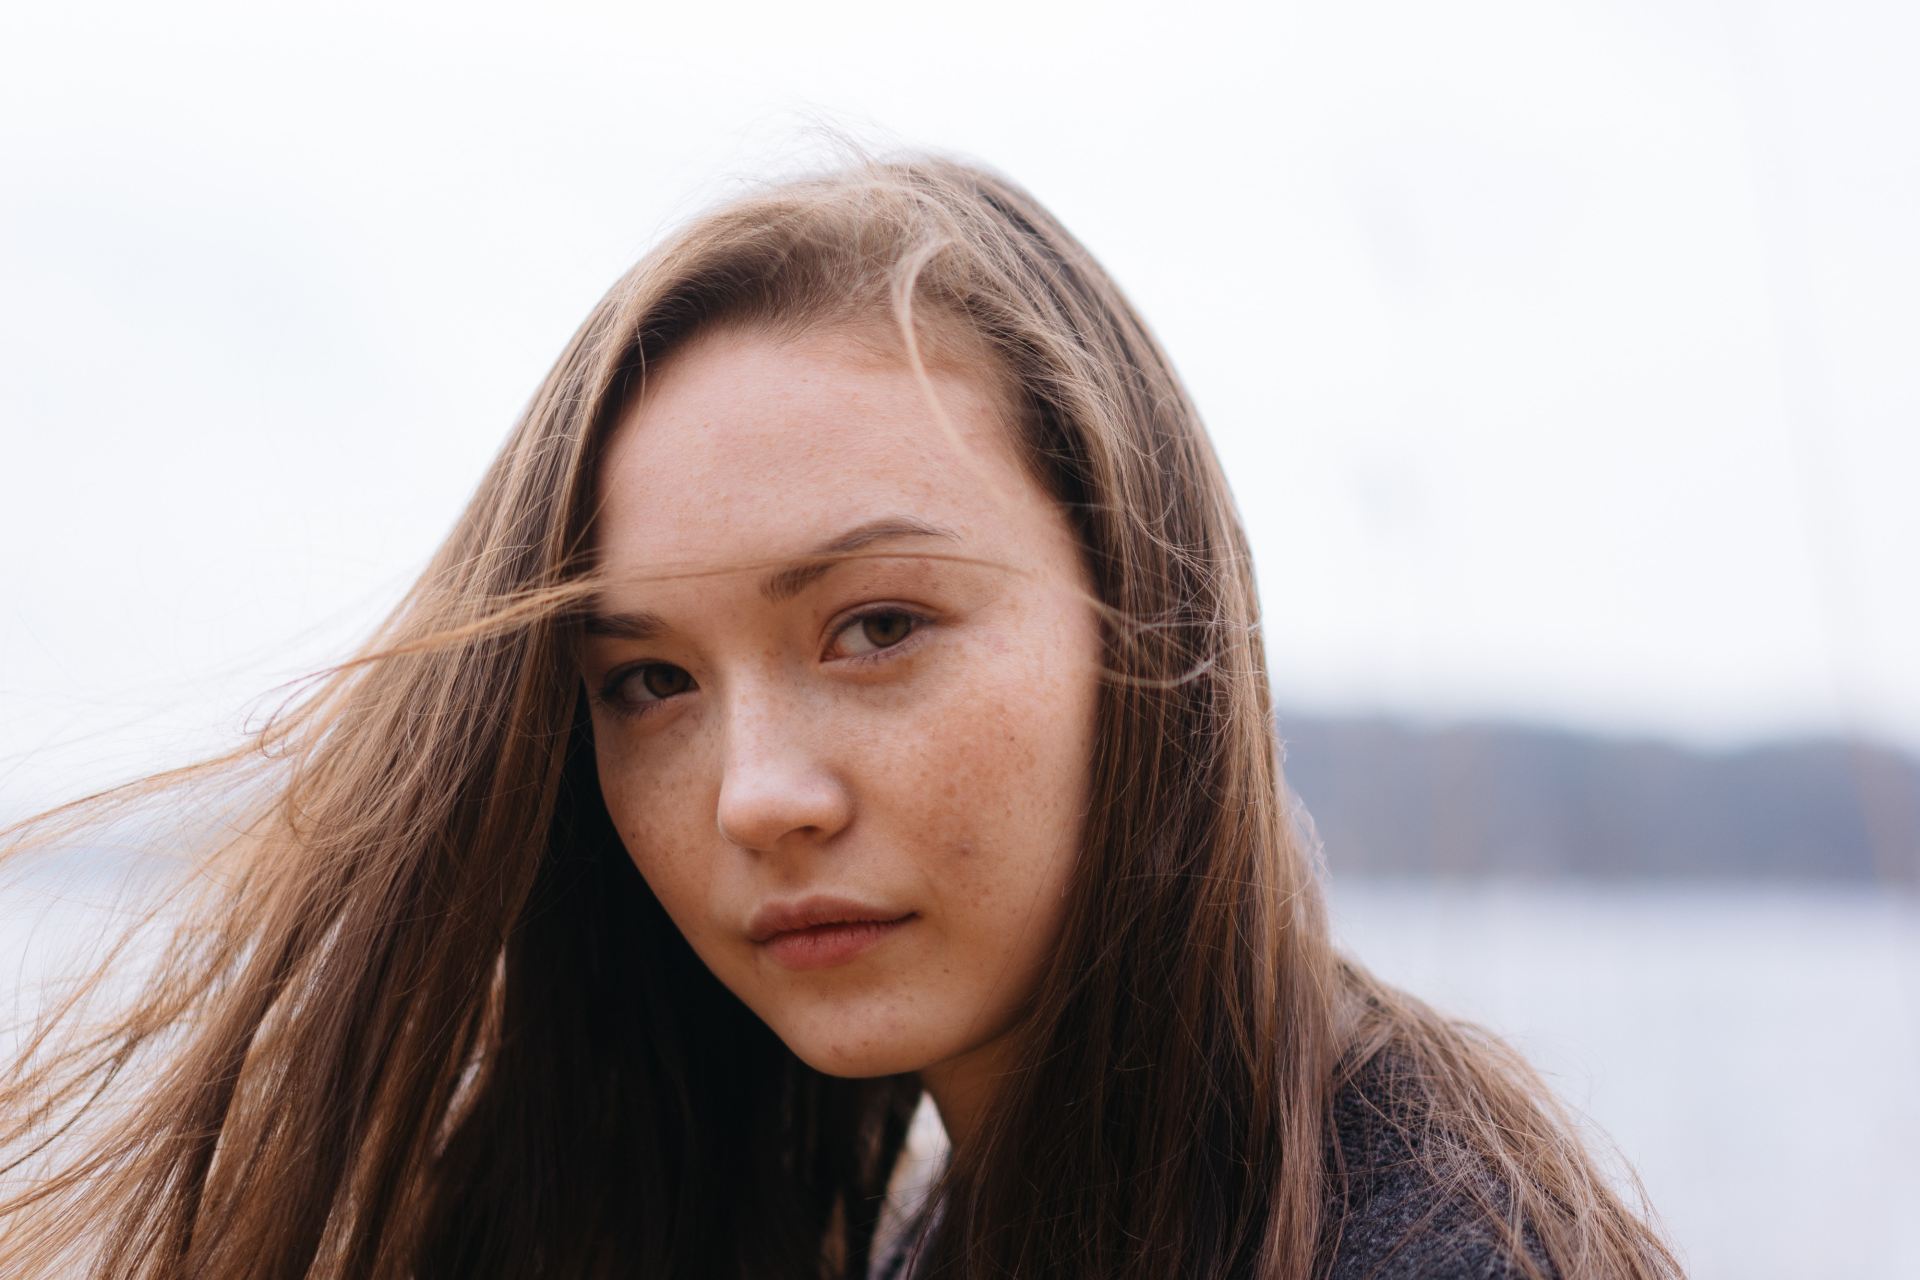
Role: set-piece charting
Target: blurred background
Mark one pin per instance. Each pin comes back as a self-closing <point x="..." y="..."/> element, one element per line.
<point x="1562" y="357"/>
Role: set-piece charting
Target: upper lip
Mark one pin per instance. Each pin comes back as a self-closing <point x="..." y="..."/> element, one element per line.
<point x="784" y="917"/>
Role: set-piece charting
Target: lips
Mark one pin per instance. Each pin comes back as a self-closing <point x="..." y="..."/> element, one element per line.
<point x="777" y="918"/>
<point x="827" y="946"/>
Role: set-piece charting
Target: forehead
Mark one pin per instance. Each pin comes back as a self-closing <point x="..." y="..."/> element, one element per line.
<point x="743" y="443"/>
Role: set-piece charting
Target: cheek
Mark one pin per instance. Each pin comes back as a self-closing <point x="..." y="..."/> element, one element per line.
<point x="997" y="782"/>
<point x="654" y="810"/>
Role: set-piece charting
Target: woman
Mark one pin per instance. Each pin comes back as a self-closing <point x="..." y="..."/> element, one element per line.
<point x="845" y="684"/>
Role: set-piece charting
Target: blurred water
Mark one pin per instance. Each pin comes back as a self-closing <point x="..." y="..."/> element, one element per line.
<point x="1750" y="1050"/>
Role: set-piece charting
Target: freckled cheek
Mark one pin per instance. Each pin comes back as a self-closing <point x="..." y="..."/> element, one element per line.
<point x="653" y="809"/>
<point x="984" y="785"/>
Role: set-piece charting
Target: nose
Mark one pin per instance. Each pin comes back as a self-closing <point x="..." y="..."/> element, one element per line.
<point x="777" y="788"/>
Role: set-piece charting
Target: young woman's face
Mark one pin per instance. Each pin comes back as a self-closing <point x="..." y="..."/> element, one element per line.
<point x="907" y="735"/>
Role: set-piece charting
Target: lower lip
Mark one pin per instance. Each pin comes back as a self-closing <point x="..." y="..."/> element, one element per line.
<point x="826" y="945"/>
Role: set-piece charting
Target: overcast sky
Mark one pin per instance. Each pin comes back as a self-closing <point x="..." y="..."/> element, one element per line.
<point x="1562" y="356"/>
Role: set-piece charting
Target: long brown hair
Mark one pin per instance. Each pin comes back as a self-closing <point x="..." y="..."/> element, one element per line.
<point x="425" y="1018"/>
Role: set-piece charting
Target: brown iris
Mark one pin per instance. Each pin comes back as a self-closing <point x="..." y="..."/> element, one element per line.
<point x="884" y="629"/>
<point x="663" y="680"/>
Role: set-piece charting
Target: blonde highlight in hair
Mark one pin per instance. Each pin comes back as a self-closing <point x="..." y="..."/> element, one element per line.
<point x="380" y="1045"/>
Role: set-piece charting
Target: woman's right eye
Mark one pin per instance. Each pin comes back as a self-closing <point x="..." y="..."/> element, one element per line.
<point x="637" y="690"/>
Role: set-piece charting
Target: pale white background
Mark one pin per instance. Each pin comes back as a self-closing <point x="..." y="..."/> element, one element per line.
<point x="1562" y="356"/>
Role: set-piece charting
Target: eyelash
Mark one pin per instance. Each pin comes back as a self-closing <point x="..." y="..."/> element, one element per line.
<point x="608" y="693"/>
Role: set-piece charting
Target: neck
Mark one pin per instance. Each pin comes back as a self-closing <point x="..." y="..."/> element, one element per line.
<point x="963" y="1088"/>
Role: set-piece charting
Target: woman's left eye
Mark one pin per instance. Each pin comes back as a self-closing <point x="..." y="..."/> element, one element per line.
<point x="876" y="631"/>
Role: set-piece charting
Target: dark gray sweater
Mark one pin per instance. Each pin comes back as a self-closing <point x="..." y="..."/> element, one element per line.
<point x="1390" y="1220"/>
<point x="1393" y="1221"/>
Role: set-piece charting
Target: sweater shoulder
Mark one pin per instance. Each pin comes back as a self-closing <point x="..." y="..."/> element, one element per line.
<point x="1404" y="1203"/>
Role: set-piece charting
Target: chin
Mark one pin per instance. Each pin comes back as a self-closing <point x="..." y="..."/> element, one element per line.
<point x="850" y="1059"/>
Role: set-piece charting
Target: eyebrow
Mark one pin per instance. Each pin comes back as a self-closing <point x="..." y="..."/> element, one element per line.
<point x="784" y="583"/>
